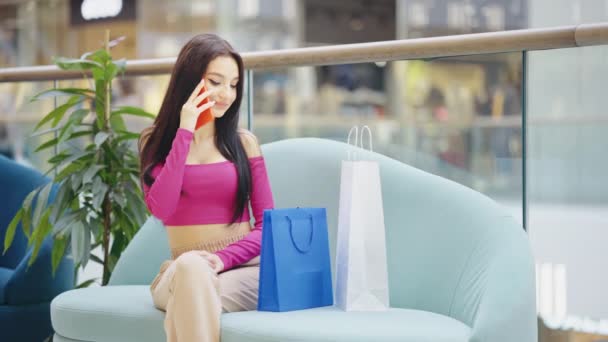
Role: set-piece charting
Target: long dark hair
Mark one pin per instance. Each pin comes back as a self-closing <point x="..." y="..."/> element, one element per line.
<point x="156" y="141"/>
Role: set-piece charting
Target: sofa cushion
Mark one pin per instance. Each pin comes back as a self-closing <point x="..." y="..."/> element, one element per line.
<point x="5" y="275"/>
<point x="110" y="313"/>
<point x="59" y="338"/>
<point x="126" y="313"/>
<point x="333" y="324"/>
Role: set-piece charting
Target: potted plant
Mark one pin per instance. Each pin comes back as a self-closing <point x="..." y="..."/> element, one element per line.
<point x="95" y="168"/>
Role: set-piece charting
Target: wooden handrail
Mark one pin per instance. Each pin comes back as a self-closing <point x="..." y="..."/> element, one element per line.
<point x="422" y="48"/>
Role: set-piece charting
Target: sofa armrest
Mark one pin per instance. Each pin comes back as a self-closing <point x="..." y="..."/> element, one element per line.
<point x="507" y="307"/>
<point x="36" y="283"/>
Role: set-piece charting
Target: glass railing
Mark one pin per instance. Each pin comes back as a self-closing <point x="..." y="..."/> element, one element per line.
<point x="457" y="117"/>
<point x="567" y="130"/>
<point x="18" y="118"/>
<point x="527" y="128"/>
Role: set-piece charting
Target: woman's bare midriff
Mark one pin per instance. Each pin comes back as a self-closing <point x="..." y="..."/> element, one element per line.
<point x="181" y="237"/>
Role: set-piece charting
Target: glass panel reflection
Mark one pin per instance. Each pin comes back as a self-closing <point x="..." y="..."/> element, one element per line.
<point x="458" y="117"/>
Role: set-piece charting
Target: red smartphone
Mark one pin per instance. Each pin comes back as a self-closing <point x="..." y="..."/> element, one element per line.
<point x="206" y="116"/>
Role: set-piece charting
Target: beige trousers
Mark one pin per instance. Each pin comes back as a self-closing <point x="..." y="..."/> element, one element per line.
<point x="194" y="296"/>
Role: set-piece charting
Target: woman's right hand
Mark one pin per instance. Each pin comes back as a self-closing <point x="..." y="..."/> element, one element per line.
<point x="190" y="111"/>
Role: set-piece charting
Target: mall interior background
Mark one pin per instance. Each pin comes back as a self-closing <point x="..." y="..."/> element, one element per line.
<point x="458" y="117"/>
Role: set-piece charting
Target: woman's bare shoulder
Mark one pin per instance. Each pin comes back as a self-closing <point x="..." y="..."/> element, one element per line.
<point x="250" y="143"/>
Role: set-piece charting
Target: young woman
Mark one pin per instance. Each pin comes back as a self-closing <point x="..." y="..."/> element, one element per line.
<point x="200" y="183"/>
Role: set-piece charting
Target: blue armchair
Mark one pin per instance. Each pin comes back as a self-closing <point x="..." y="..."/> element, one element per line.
<point x="26" y="292"/>
<point x="460" y="269"/>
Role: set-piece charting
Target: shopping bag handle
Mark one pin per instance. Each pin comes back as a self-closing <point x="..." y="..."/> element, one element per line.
<point x="369" y="132"/>
<point x="356" y="130"/>
<point x="301" y="249"/>
<point x="352" y="155"/>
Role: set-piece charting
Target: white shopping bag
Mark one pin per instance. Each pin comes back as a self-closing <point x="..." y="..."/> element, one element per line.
<point x="361" y="269"/>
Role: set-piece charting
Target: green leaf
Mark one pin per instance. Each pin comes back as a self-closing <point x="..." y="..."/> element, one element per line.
<point x="118" y="246"/>
<point x="75" y="119"/>
<point x="60" y="113"/>
<point x="66" y="221"/>
<point x="56" y="141"/>
<point x="135" y="179"/>
<point x="67" y="171"/>
<point x="58" y="251"/>
<point x="96" y="228"/>
<point x="120" y="199"/>
<point x="47" y="144"/>
<point x="78" y="115"/>
<point x="78" y="237"/>
<point x="111" y="71"/>
<point x="46" y="131"/>
<point x="57" y="159"/>
<point x="76" y="181"/>
<point x="42" y="230"/>
<point x="26" y="220"/>
<point x="99" y="74"/>
<point x="117" y="123"/>
<point x="86" y="252"/>
<point x="57" y="114"/>
<point x="126" y="222"/>
<point x="99" y="189"/>
<point x="100" y="137"/>
<point x="96" y="259"/>
<point x="66" y="131"/>
<point x="91" y="172"/>
<point x="62" y="200"/>
<point x="86" y="283"/>
<point x="111" y="153"/>
<point x="124" y="136"/>
<point x="81" y="243"/>
<point x="78" y="156"/>
<point x="79" y="134"/>
<point x="41" y="202"/>
<point x="10" y="231"/>
<point x="136" y="209"/>
<point x="75" y="64"/>
<point x="100" y="56"/>
<point x="133" y="111"/>
<point x="63" y="92"/>
<point x="112" y="260"/>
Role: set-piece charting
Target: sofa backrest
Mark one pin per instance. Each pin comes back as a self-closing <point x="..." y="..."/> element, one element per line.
<point x="441" y="236"/>
<point x="141" y="260"/>
<point x="16" y="182"/>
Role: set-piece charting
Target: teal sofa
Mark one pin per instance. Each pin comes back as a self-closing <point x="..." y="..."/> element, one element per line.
<point x="460" y="269"/>
<point x="26" y="292"/>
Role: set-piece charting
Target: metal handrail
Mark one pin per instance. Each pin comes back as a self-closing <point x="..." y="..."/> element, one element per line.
<point x="422" y="48"/>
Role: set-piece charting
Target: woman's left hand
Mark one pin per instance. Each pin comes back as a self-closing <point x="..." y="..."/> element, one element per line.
<point x="214" y="261"/>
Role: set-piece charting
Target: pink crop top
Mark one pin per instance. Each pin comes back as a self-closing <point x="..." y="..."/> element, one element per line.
<point x="189" y="194"/>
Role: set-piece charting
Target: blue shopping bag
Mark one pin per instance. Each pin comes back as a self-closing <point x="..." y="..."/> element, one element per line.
<point x="295" y="270"/>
